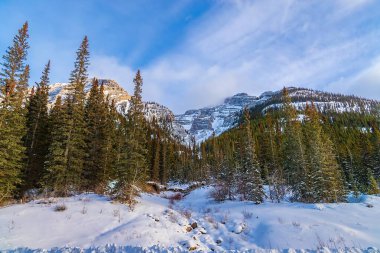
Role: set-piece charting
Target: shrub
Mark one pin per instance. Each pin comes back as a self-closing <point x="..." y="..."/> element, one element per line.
<point x="60" y="208"/>
<point x="175" y="197"/>
<point x="219" y="193"/>
<point x="247" y="215"/>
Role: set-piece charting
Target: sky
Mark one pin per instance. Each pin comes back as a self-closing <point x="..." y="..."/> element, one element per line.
<point x="195" y="53"/>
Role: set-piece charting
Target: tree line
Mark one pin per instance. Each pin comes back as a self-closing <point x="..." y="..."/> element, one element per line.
<point x="309" y="154"/>
<point x="82" y="143"/>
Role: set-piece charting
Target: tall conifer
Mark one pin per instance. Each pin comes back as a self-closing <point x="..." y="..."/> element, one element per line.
<point x="36" y="140"/>
<point x="14" y="77"/>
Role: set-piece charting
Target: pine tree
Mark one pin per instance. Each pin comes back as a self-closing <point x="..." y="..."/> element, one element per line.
<point x="134" y="165"/>
<point x="96" y="139"/>
<point x="54" y="178"/>
<point x="156" y="151"/>
<point x="163" y="163"/>
<point x="324" y="178"/>
<point x="36" y="141"/>
<point x="14" y="77"/>
<point x="74" y="126"/>
<point x="293" y="152"/>
<point x="114" y="140"/>
<point x="75" y="146"/>
<point x="250" y="178"/>
<point x="373" y="187"/>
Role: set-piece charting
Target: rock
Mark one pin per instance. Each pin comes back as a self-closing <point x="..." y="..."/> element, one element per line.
<point x="188" y="229"/>
<point x="194" y="225"/>
<point x="202" y="231"/>
<point x="219" y="241"/>
<point x="239" y="228"/>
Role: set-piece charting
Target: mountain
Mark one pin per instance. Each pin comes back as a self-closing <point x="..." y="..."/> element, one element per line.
<point x="121" y="98"/>
<point x="203" y="123"/>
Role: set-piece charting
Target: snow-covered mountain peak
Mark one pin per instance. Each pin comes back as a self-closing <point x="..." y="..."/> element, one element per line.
<point x="205" y="122"/>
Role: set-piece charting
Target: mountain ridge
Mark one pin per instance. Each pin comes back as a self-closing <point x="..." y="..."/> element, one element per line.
<point x="200" y="124"/>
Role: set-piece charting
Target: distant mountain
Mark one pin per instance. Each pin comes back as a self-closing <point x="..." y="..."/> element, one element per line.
<point x="203" y="123"/>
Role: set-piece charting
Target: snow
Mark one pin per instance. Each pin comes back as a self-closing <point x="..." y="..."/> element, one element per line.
<point x="157" y="224"/>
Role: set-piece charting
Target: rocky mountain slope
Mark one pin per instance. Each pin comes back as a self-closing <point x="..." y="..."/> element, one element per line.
<point x="201" y="124"/>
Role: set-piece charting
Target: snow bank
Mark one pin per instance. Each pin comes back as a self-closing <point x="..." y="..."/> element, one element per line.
<point x="93" y="223"/>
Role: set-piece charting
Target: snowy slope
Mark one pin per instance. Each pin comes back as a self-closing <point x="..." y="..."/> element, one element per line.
<point x="94" y="221"/>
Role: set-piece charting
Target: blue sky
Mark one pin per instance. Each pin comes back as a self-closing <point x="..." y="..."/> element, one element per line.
<point x="195" y="53"/>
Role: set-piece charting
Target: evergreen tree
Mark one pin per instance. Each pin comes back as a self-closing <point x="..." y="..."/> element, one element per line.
<point x="324" y="179"/>
<point x="14" y="77"/>
<point x="55" y="178"/>
<point x="36" y="140"/>
<point x="74" y="126"/>
<point x="134" y="165"/>
<point x="96" y="139"/>
<point x="293" y="152"/>
<point x="251" y="185"/>
<point x="163" y="163"/>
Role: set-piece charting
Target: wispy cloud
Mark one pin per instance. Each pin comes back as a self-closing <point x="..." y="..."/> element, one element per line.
<point x="255" y="46"/>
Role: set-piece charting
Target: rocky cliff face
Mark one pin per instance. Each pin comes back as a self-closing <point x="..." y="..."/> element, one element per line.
<point x="203" y="123"/>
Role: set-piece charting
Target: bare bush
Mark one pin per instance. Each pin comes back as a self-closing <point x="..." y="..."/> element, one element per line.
<point x="247" y="215"/>
<point x="219" y="193"/>
<point x="296" y="224"/>
<point x="175" y="197"/>
<point x="186" y="213"/>
<point x="60" y="208"/>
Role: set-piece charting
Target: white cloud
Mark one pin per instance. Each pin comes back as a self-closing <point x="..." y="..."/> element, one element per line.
<point x="366" y="83"/>
<point x="254" y="46"/>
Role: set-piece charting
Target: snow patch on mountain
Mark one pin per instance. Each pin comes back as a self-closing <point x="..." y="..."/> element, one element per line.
<point x="205" y="122"/>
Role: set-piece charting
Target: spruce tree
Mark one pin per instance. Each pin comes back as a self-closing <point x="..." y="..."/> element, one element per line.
<point x="76" y="126"/>
<point x="96" y="139"/>
<point x="250" y="178"/>
<point x="55" y="177"/>
<point x="75" y="130"/>
<point x="36" y="140"/>
<point x="324" y="178"/>
<point x="14" y="77"/>
<point x="293" y="153"/>
<point x="133" y="167"/>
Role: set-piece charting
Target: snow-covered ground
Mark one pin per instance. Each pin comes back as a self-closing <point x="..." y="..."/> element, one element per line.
<point x="159" y="224"/>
